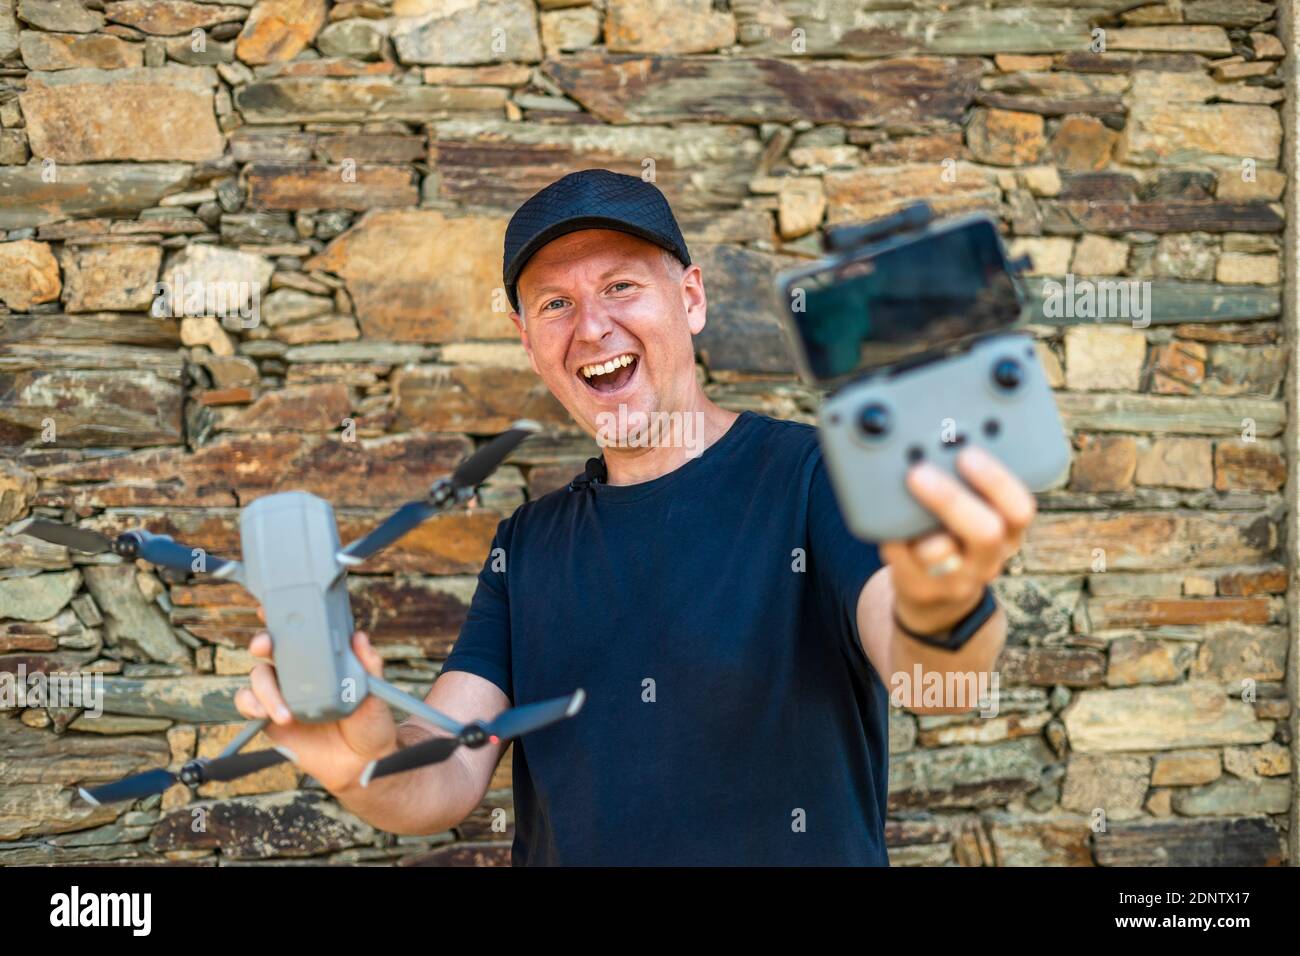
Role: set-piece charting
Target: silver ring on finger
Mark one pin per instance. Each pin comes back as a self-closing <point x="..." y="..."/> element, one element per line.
<point x="944" y="567"/>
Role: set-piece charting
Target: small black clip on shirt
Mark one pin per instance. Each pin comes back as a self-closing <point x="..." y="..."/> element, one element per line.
<point x="594" y="473"/>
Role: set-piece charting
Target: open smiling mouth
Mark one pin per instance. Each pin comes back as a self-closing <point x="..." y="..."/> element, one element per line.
<point x="610" y="376"/>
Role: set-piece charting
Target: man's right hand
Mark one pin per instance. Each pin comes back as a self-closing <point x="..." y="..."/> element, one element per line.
<point x="335" y="752"/>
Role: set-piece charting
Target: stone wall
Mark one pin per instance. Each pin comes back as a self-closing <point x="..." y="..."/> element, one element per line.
<point x="353" y="165"/>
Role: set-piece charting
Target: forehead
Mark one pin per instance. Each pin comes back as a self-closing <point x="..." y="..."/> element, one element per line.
<point x="586" y="251"/>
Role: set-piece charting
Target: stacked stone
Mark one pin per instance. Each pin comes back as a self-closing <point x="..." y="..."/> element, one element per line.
<point x="351" y="166"/>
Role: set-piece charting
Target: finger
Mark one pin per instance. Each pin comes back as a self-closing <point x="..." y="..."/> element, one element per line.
<point x="263" y="682"/>
<point x="1003" y="489"/>
<point x="370" y="728"/>
<point x="366" y="653"/>
<point x="260" y="645"/>
<point x="248" y="705"/>
<point x="963" y="513"/>
<point x="949" y="595"/>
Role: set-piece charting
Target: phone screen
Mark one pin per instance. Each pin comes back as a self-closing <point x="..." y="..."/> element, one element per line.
<point x="868" y="312"/>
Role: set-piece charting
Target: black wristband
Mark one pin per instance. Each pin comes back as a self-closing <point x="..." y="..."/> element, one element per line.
<point x="962" y="631"/>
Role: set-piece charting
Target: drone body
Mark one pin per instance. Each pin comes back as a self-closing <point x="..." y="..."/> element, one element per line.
<point x="293" y="565"/>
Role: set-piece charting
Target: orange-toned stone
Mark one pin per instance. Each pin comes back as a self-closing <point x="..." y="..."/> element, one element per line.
<point x="423" y="276"/>
<point x="1248" y="466"/>
<point x="171" y="17"/>
<point x="1255" y="581"/>
<point x="227" y="396"/>
<point x="1005" y="137"/>
<point x="278" y="30"/>
<point x="1083" y="144"/>
<point x="82" y="116"/>
<point x="29" y="274"/>
<point x="1104" y="463"/>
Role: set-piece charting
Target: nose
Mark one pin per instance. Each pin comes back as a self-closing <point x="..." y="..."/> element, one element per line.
<point x="594" y="321"/>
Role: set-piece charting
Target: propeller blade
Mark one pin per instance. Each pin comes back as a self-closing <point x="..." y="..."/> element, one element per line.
<point x="470" y="473"/>
<point x="393" y="527"/>
<point x="513" y="723"/>
<point x="172" y="554"/>
<point x="130" y="788"/>
<point x="475" y="469"/>
<point x="239" y="765"/>
<point x="56" y="532"/>
<point x="196" y="772"/>
<point x="525" y="719"/>
<point x="156" y="549"/>
<point x="422" y="754"/>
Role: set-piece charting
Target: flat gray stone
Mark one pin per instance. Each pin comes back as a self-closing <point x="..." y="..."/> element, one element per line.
<point x="60" y="16"/>
<point x="187" y="699"/>
<point x="82" y="192"/>
<point x="966" y="776"/>
<point x="310" y="99"/>
<point x="1170" y="301"/>
<point x="8" y="28"/>
<point x="743" y="332"/>
<point x="1230" y="797"/>
<point x="38" y="597"/>
<point x="132" y="622"/>
<point x="930" y="26"/>
<point x="1252" y="841"/>
<point x="1193" y="714"/>
<point x="294" y="824"/>
<point x="490" y="31"/>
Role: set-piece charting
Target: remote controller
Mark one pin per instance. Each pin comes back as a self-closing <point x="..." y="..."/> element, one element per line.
<point x="994" y="395"/>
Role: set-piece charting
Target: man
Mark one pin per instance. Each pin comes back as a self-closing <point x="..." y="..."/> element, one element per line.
<point x="734" y="640"/>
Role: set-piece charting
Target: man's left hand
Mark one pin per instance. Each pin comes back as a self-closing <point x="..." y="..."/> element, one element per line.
<point x="939" y="577"/>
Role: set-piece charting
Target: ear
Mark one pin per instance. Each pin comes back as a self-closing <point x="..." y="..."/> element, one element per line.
<point x="518" y="320"/>
<point x="694" y="300"/>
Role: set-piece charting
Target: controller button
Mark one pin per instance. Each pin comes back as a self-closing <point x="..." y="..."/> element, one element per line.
<point x="992" y="427"/>
<point x="958" y="441"/>
<point x="1008" y="374"/>
<point x="915" y="454"/>
<point x="874" y="421"/>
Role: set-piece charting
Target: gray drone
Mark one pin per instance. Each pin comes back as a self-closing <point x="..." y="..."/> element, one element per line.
<point x="294" y="566"/>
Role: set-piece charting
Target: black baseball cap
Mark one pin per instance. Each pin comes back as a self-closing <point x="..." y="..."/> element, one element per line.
<point x="588" y="199"/>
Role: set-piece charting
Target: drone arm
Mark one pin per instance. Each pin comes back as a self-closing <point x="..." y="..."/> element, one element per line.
<point x="160" y="549"/>
<point x="163" y="550"/>
<point x="231" y="571"/>
<point x="251" y="730"/>
<point x="412" y="705"/>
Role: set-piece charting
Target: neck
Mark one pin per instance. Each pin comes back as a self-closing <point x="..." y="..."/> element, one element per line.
<point x="682" y="436"/>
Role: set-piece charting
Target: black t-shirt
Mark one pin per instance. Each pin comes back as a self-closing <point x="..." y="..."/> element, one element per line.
<point x="732" y="717"/>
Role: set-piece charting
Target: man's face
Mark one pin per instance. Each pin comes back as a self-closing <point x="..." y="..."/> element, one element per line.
<point x="598" y="296"/>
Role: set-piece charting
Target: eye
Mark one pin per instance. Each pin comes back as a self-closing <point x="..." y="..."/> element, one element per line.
<point x="621" y="282"/>
<point x="555" y="302"/>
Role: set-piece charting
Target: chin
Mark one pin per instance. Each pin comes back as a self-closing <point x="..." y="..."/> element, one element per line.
<point x="621" y="421"/>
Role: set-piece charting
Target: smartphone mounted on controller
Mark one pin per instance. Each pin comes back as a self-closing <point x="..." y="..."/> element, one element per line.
<point x="910" y="323"/>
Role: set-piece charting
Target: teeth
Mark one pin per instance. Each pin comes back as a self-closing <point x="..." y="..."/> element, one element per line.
<point x="588" y="371"/>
